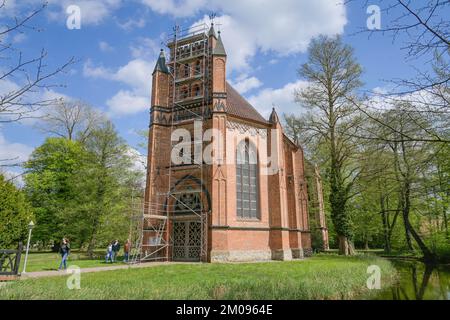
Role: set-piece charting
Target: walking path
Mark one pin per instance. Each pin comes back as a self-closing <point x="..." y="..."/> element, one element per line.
<point x="45" y="274"/>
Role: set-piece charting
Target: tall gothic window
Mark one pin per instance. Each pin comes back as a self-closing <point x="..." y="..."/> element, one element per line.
<point x="247" y="181"/>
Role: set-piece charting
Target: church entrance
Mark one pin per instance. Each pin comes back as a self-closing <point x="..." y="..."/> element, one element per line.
<point x="189" y="203"/>
<point x="186" y="240"/>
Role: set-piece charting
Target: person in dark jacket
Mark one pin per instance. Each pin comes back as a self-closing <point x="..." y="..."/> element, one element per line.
<point x="64" y="250"/>
<point x="115" y="250"/>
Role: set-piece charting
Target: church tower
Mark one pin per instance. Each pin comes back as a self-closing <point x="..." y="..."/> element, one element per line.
<point x="208" y="194"/>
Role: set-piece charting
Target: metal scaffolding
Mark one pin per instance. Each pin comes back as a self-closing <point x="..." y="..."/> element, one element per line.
<point x="153" y="236"/>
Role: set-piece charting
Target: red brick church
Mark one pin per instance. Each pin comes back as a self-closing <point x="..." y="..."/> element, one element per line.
<point x="229" y="207"/>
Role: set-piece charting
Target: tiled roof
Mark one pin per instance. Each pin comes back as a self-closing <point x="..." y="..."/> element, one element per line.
<point x="212" y="32"/>
<point x="237" y="106"/>
<point x="219" y="50"/>
<point x="161" y="63"/>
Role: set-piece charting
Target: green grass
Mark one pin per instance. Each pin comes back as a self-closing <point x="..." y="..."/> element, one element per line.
<point x="50" y="261"/>
<point x="321" y="277"/>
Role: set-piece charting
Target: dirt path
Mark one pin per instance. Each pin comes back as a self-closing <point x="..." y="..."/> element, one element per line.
<point x="45" y="274"/>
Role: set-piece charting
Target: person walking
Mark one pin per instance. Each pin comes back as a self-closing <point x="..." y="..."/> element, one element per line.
<point x="126" y="250"/>
<point x="109" y="253"/>
<point x="115" y="250"/>
<point x="64" y="250"/>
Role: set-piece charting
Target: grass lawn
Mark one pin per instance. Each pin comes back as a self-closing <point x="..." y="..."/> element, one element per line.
<point x="50" y="261"/>
<point x="321" y="277"/>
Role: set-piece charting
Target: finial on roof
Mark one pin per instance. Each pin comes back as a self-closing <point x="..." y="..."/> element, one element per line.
<point x="161" y="63"/>
<point x="274" y="116"/>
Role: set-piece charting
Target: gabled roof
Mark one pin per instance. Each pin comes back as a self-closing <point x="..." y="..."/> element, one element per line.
<point x="237" y="106"/>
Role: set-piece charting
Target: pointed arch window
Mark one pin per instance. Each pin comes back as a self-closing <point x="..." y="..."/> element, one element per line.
<point x="247" y="181"/>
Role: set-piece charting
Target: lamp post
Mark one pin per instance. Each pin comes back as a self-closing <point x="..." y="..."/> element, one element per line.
<point x="30" y="228"/>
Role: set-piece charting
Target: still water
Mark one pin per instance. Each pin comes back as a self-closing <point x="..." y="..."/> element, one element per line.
<point x="419" y="281"/>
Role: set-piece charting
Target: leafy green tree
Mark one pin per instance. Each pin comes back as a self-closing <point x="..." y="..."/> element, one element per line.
<point x="47" y="185"/>
<point x="15" y="214"/>
<point x="103" y="186"/>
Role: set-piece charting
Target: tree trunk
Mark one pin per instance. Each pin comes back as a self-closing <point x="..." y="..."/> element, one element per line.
<point x="345" y="246"/>
<point x="91" y="246"/>
<point x="384" y="220"/>
<point x="407" y="236"/>
<point x="447" y="234"/>
<point x="92" y="239"/>
<point x="428" y="256"/>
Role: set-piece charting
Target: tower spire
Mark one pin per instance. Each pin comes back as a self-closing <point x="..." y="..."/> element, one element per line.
<point x="219" y="49"/>
<point x="161" y="63"/>
<point x="274" y="116"/>
<point x="212" y="31"/>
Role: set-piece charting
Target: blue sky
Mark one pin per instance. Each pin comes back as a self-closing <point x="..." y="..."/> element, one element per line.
<point x="118" y="43"/>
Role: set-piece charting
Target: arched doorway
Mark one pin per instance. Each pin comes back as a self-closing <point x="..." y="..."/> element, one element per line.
<point x="190" y="203"/>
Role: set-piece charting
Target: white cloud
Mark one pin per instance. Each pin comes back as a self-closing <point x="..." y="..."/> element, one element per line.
<point x="7" y="86"/>
<point x="282" y="99"/>
<point x="176" y="8"/>
<point x="92" y="12"/>
<point x="283" y="27"/>
<point x="43" y="97"/>
<point x="244" y="83"/>
<point x="127" y="102"/>
<point x="9" y="9"/>
<point x="89" y="70"/>
<point x="20" y="37"/>
<point x="132" y="24"/>
<point x="145" y="48"/>
<point x="13" y="152"/>
<point x="49" y="97"/>
<point x="15" y="177"/>
<point x="137" y="75"/>
<point x="140" y="161"/>
<point x="238" y="43"/>
<point x="105" y="46"/>
<point x="383" y="98"/>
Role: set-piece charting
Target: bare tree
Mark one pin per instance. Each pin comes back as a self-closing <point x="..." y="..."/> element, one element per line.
<point x="22" y="75"/>
<point x="333" y="74"/>
<point x="71" y="120"/>
<point x="432" y="125"/>
<point x="424" y="29"/>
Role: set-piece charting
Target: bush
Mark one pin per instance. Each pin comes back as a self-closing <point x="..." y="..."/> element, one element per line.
<point x="15" y="214"/>
<point x="440" y="245"/>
